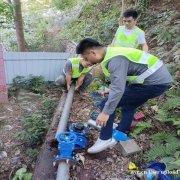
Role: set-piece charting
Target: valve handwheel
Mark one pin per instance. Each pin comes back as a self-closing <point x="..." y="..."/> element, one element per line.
<point x="66" y="137"/>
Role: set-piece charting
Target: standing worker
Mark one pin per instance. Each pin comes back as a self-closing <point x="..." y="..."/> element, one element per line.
<point x="75" y="69"/>
<point x="130" y="35"/>
<point x="148" y="78"/>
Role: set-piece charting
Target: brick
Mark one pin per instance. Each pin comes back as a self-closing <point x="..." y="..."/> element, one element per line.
<point x="128" y="147"/>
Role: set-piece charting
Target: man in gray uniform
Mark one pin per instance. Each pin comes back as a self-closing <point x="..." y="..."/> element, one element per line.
<point x="75" y="70"/>
<point x="151" y="80"/>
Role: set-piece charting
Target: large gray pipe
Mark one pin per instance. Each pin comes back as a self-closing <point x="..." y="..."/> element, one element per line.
<point x="63" y="167"/>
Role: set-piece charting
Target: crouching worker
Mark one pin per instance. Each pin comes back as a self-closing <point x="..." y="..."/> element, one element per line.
<point x="75" y="70"/>
<point x="148" y="78"/>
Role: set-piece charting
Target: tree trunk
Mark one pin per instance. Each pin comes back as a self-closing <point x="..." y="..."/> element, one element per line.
<point x="122" y="11"/>
<point x="19" y="25"/>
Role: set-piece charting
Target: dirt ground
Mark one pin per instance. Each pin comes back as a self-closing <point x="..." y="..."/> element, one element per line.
<point x="13" y="151"/>
<point x="107" y="165"/>
<point x="110" y="164"/>
<point x="12" y="148"/>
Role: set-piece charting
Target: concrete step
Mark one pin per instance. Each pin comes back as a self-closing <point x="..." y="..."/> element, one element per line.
<point x="128" y="147"/>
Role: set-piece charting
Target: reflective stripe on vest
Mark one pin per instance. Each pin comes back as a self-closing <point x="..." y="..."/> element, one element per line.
<point x="127" y="40"/>
<point x="118" y="43"/>
<point x="136" y="56"/>
<point x="75" y="68"/>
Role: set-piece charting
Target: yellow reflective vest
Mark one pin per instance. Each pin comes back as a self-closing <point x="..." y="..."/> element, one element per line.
<point x="122" y="40"/>
<point x="136" y="56"/>
<point x="75" y="68"/>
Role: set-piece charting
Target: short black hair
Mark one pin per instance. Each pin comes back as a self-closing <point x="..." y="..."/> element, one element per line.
<point x="86" y="44"/>
<point x="130" y="12"/>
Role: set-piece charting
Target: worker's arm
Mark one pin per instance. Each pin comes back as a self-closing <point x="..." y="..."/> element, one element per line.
<point x="68" y="73"/>
<point x="79" y="81"/>
<point x="104" y="92"/>
<point x="68" y="80"/>
<point x="142" y="41"/>
<point x="118" y="67"/>
<point x="145" y="47"/>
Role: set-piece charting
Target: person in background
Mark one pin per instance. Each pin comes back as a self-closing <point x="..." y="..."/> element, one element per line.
<point x="75" y="70"/>
<point x="147" y="75"/>
<point x="129" y="35"/>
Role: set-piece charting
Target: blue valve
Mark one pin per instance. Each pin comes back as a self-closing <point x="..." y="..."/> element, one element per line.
<point x="68" y="142"/>
<point x="96" y="103"/>
<point x="159" y="168"/>
<point x="95" y="95"/>
<point x="81" y="142"/>
<point x="78" y="128"/>
<point x="94" y="116"/>
<point x="120" y="136"/>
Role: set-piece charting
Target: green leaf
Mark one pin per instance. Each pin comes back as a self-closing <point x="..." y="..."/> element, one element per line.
<point x="15" y="177"/>
<point x="172" y="103"/>
<point x="139" y="128"/>
<point x="162" y="115"/>
<point x="156" y="152"/>
<point x="176" y="122"/>
<point x="177" y="162"/>
<point x="21" y="171"/>
<point x="171" y="166"/>
<point x="27" y="176"/>
<point x="167" y="159"/>
<point x="177" y="153"/>
<point x="163" y="137"/>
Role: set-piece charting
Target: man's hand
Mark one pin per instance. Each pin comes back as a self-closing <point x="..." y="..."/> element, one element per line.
<point x="103" y="93"/>
<point x="76" y="87"/>
<point x="68" y="80"/>
<point x="102" y="119"/>
<point x="79" y="82"/>
<point x="68" y="86"/>
<point x="145" y="47"/>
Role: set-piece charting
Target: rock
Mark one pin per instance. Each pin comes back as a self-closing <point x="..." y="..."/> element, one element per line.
<point x="114" y="156"/>
<point x="109" y="159"/>
<point x="8" y="127"/>
<point x="17" y="152"/>
<point x="9" y="109"/>
<point x="3" y="154"/>
<point x="155" y="108"/>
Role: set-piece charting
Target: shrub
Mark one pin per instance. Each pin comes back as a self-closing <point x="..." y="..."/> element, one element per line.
<point x="97" y="20"/>
<point x="34" y="83"/>
<point x="36" y="125"/>
<point x="64" y="4"/>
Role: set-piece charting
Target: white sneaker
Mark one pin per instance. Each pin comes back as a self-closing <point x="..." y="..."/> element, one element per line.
<point x="101" y="145"/>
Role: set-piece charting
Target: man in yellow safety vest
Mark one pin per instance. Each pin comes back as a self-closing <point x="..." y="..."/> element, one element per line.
<point x="75" y="69"/>
<point x="147" y="75"/>
<point x="129" y="35"/>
